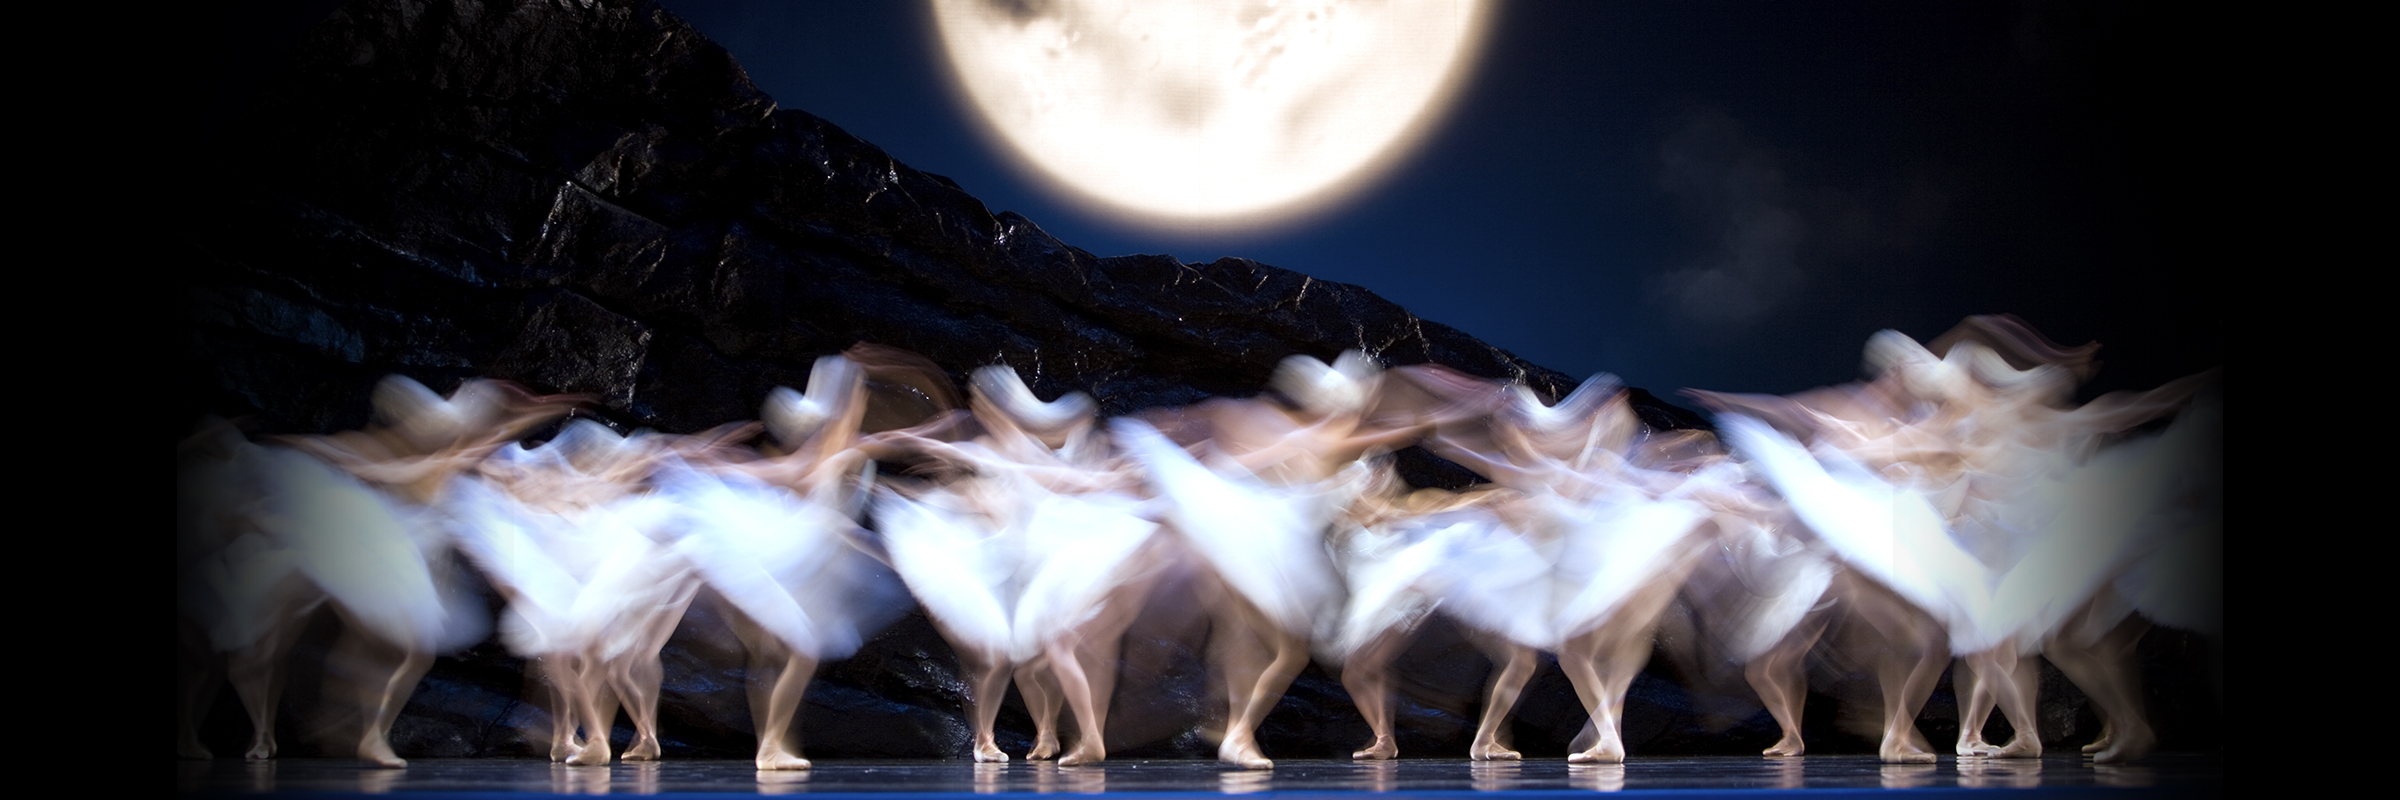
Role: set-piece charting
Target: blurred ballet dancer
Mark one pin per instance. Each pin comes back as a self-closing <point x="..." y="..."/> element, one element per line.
<point x="776" y="538"/>
<point x="1390" y="549"/>
<point x="1612" y="540"/>
<point x="2061" y="520"/>
<point x="1763" y="597"/>
<point x="1256" y="507"/>
<point x="1863" y="490"/>
<point x="361" y="515"/>
<point x="574" y="539"/>
<point x="240" y="595"/>
<point x="1031" y="558"/>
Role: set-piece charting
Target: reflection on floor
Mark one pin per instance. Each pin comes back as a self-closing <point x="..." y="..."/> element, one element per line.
<point x="2055" y="776"/>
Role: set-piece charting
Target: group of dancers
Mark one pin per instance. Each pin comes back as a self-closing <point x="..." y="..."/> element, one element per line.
<point x="1956" y="504"/>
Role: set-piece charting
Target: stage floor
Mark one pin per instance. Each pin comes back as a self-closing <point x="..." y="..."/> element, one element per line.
<point x="2055" y="776"/>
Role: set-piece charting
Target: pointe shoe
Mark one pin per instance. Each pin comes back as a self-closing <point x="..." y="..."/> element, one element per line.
<point x="1244" y="755"/>
<point x="379" y="753"/>
<point x="1042" y="750"/>
<point x="1083" y="755"/>
<point x="782" y="761"/>
<point x="1492" y="751"/>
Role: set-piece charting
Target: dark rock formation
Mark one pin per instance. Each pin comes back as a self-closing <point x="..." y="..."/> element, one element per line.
<point x="595" y="199"/>
<point x="591" y="197"/>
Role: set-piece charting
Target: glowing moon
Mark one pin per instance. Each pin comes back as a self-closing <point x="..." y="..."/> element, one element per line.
<point x="1195" y="112"/>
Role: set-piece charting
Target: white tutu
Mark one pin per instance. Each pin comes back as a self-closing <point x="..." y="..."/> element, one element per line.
<point x="1266" y="541"/>
<point x="783" y="560"/>
<point x="1892" y="534"/>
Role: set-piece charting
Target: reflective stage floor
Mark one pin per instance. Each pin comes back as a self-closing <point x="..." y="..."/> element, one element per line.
<point x="2057" y="776"/>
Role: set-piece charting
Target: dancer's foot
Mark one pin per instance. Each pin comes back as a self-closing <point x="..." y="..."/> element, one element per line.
<point x="376" y="751"/>
<point x="989" y="753"/>
<point x="262" y="747"/>
<point x="1973" y="746"/>
<point x="1492" y="751"/>
<point x="190" y="749"/>
<point x="643" y="749"/>
<point x="2022" y="746"/>
<point x="779" y="760"/>
<point x="1789" y="747"/>
<point x="2108" y="735"/>
<point x="1382" y="749"/>
<point x="1899" y="750"/>
<point x="1084" y="753"/>
<point x="1243" y="753"/>
<point x="1606" y="752"/>
<point x="595" y="753"/>
<point x="1043" y="748"/>
<point x="2134" y="744"/>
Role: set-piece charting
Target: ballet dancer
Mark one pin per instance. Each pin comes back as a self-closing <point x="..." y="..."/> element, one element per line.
<point x="775" y="537"/>
<point x="1256" y="508"/>
<point x="361" y="513"/>
<point x="1618" y="539"/>
<point x="1030" y="558"/>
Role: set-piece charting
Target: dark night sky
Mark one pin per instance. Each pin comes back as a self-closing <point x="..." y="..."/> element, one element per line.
<point x="1718" y="195"/>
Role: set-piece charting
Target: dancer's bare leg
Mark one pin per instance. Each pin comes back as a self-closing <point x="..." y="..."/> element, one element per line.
<point x="1100" y="656"/>
<point x="1781" y="680"/>
<point x="1517" y="663"/>
<point x="1575" y="658"/>
<point x="1288" y="652"/>
<point x="1974" y="708"/>
<point x="637" y="678"/>
<point x="777" y="677"/>
<point x="198" y="672"/>
<point x="1242" y="654"/>
<point x="1911" y="662"/>
<point x="1617" y="655"/>
<point x="1617" y="652"/>
<point x="557" y="673"/>
<point x="1090" y="744"/>
<point x="257" y="675"/>
<point x="987" y="688"/>
<point x="639" y="675"/>
<point x="776" y="750"/>
<point x="1291" y="654"/>
<point x="1042" y="699"/>
<point x="2106" y="672"/>
<point x="1579" y="658"/>
<point x="257" y="670"/>
<point x="599" y="711"/>
<point x="1367" y="675"/>
<point x="2015" y="682"/>
<point x="1907" y="682"/>
<point x="1099" y="642"/>
<point x="387" y="674"/>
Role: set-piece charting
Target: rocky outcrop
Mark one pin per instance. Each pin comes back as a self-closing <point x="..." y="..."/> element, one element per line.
<point x="591" y="197"/>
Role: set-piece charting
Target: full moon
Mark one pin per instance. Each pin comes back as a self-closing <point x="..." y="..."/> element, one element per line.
<point x="1197" y="112"/>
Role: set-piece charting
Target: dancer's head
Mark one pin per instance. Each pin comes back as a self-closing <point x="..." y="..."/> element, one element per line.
<point x="832" y="400"/>
<point x="1002" y="397"/>
<point x="427" y="422"/>
<point x="1595" y="415"/>
<point x="1892" y="356"/>
<point x="1343" y="388"/>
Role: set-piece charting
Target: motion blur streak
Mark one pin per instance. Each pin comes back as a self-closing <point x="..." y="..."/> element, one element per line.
<point x="1953" y="505"/>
